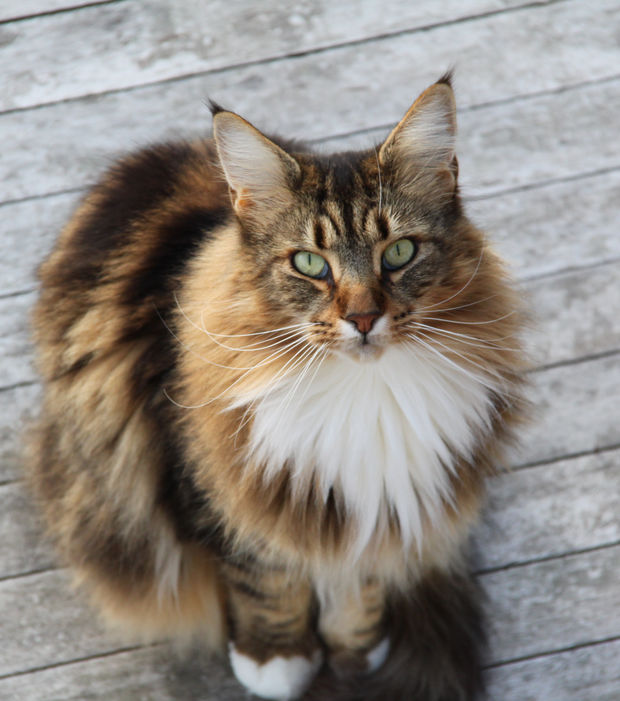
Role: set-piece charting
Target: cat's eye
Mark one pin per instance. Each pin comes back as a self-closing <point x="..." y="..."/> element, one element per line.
<point x="311" y="264"/>
<point x="398" y="254"/>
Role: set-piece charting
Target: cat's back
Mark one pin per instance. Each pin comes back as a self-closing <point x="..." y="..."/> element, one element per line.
<point x="112" y="272"/>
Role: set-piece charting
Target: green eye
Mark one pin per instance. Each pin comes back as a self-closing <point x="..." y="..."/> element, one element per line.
<point x="398" y="254"/>
<point x="311" y="264"/>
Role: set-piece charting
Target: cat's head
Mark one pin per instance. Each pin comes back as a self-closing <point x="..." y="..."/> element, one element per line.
<point x="359" y="245"/>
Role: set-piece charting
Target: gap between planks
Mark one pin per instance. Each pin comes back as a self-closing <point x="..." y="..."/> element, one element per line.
<point x="270" y="60"/>
<point x="59" y="10"/>
<point x="77" y="660"/>
<point x="549" y="653"/>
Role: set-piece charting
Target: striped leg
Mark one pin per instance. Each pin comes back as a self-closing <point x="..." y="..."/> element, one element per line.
<point x="274" y="651"/>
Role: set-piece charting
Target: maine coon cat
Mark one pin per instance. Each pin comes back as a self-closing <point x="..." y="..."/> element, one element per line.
<point x="274" y="384"/>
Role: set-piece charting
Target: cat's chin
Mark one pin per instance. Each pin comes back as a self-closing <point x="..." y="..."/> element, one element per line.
<point x="362" y="352"/>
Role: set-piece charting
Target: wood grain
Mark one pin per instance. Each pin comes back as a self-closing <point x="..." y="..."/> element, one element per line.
<point x="62" y="146"/>
<point x="550" y="509"/>
<point x="590" y="673"/>
<point x="151" y="674"/>
<point x="552" y="605"/>
<point x="125" y="44"/>
<point x="12" y="10"/>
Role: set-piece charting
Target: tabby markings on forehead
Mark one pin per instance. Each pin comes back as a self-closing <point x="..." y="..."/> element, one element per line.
<point x="384" y="434"/>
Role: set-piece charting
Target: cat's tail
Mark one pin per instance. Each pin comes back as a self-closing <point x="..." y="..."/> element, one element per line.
<point x="436" y="637"/>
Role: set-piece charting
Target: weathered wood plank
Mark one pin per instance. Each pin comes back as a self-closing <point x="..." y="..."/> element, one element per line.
<point x="18" y="406"/>
<point x="15" y="346"/>
<point x="575" y="314"/>
<point x="535" y="230"/>
<point x="575" y="410"/>
<point x="586" y="674"/>
<point x="151" y="674"/>
<point x="538" y="231"/>
<point x="550" y="509"/>
<point x="22" y="548"/>
<point x="46" y="622"/>
<point x="12" y="10"/>
<point x="553" y="605"/>
<point x="526" y="141"/>
<point x="28" y="231"/>
<point x="122" y="45"/>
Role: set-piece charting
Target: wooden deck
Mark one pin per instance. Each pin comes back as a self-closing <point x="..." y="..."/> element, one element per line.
<point x="538" y="87"/>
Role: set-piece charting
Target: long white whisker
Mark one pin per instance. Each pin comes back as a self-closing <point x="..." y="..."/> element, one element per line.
<point x="287" y="368"/>
<point x="461" y="306"/>
<point x="473" y="341"/>
<point x="270" y="358"/>
<point x="456" y="294"/>
<point x="450" y="362"/>
<point x="472" y="323"/>
<point x="263" y="344"/>
<point x="464" y="356"/>
<point x="298" y="380"/>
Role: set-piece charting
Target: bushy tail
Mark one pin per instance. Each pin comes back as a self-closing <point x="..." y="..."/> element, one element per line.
<point x="436" y="638"/>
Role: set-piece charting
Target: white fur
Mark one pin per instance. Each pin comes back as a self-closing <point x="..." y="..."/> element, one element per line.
<point x="381" y="432"/>
<point x="280" y="678"/>
<point x="377" y="656"/>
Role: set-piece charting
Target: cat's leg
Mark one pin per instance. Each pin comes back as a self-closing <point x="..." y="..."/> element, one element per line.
<point x="352" y="624"/>
<point x="274" y="651"/>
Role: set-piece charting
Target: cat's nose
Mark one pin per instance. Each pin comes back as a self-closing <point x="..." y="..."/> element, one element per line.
<point x="363" y="322"/>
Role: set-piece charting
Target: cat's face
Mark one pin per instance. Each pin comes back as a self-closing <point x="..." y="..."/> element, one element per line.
<point x="363" y="247"/>
<point x="353" y="270"/>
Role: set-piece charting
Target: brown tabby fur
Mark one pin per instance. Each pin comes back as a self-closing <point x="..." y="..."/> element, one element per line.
<point x="136" y="488"/>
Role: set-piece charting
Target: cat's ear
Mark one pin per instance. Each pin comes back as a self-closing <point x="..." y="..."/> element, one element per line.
<point x="259" y="173"/>
<point x="423" y="143"/>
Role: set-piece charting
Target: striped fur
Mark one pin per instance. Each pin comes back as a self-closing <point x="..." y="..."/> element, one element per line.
<point x="231" y="449"/>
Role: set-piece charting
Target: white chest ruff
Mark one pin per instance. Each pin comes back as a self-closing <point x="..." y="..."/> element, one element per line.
<point x="382" y="433"/>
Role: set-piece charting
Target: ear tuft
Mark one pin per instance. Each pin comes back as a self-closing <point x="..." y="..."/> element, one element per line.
<point x="259" y="173"/>
<point x="446" y="78"/>
<point x="215" y="107"/>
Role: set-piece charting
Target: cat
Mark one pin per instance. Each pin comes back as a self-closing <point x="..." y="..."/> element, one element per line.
<point x="274" y="384"/>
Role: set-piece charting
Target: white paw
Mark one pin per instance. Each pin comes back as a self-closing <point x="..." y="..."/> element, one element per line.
<point x="377" y="656"/>
<point x="280" y="678"/>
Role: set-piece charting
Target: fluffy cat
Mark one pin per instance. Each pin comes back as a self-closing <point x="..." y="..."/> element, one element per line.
<point x="274" y="384"/>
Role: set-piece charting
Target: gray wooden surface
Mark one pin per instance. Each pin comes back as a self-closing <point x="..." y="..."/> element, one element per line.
<point x="538" y="87"/>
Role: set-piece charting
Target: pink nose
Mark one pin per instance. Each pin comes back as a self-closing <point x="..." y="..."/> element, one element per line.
<point x="363" y="322"/>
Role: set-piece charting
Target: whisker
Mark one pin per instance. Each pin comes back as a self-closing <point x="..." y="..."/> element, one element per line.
<point x="189" y="349"/>
<point x="298" y="381"/>
<point x="481" y="343"/>
<point x="456" y="366"/>
<point x="489" y="375"/>
<point x="456" y="294"/>
<point x="461" y="306"/>
<point x="464" y="355"/>
<point x="296" y="360"/>
<point x="270" y="358"/>
<point x="306" y="324"/>
<point x="473" y="323"/>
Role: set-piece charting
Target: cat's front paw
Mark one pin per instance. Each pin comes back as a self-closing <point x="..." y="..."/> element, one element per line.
<point x="280" y="678"/>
